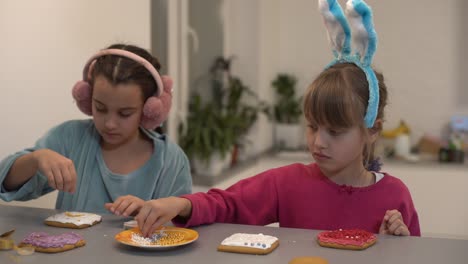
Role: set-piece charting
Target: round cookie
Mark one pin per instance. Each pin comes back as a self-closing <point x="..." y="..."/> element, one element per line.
<point x="76" y="220"/>
<point x="308" y="260"/>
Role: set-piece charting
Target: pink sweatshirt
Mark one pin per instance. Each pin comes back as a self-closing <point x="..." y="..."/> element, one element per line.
<point x="300" y="196"/>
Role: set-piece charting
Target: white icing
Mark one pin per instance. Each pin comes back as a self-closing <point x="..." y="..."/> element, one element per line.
<point x="130" y="224"/>
<point x="76" y="218"/>
<point x="250" y="240"/>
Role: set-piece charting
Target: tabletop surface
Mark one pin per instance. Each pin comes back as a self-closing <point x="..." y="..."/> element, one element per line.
<point x="101" y="246"/>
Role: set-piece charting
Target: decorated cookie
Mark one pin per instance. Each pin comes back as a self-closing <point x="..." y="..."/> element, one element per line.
<point x="43" y="242"/>
<point x="73" y="220"/>
<point x="6" y="243"/>
<point x="258" y="244"/>
<point x="308" y="260"/>
<point x="355" y="239"/>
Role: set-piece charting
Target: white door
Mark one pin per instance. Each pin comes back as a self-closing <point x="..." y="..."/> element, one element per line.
<point x="187" y="36"/>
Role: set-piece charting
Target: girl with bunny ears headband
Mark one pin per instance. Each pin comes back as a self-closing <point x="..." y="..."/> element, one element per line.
<point x="344" y="110"/>
<point x="354" y="41"/>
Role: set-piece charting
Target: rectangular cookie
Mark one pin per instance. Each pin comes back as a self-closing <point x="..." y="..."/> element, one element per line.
<point x="76" y="220"/>
<point x="354" y="239"/>
<point x="258" y="244"/>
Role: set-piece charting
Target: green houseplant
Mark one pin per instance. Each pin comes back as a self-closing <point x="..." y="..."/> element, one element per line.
<point x="287" y="111"/>
<point x="215" y="128"/>
<point x="287" y="108"/>
<point x="206" y="131"/>
<point x="242" y="109"/>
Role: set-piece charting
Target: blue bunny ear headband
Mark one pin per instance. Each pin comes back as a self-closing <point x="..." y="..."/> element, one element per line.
<point x="364" y="40"/>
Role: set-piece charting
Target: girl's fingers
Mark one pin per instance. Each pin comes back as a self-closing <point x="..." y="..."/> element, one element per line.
<point x="393" y="228"/>
<point x="134" y="207"/>
<point x="58" y="178"/>
<point x="72" y="179"/>
<point x="387" y="215"/>
<point x="131" y="208"/>
<point x="150" y="220"/>
<point x="142" y="215"/>
<point x="401" y="231"/>
<point x="124" y="204"/>
<point x="404" y="231"/>
<point x="50" y="178"/>
<point x="66" y="179"/>
<point x="118" y="204"/>
<point x="108" y="206"/>
<point x="383" y="227"/>
<point x="394" y="217"/>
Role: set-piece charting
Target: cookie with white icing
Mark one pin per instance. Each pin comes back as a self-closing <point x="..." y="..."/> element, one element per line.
<point x="75" y="220"/>
<point x="258" y="244"/>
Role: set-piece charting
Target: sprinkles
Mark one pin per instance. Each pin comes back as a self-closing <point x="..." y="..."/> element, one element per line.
<point x="163" y="238"/>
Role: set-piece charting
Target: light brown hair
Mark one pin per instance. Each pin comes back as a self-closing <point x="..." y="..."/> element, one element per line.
<point x="338" y="98"/>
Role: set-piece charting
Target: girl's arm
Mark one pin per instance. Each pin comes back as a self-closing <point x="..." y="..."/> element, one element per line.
<point x="59" y="170"/>
<point x="23" y="169"/>
<point x="250" y="201"/>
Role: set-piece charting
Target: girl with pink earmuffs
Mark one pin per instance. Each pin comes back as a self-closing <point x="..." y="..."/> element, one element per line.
<point x="114" y="161"/>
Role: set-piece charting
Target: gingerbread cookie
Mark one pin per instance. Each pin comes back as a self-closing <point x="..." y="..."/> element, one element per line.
<point x="258" y="244"/>
<point x="308" y="260"/>
<point x="43" y="242"/>
<point x="75" y="220"/>
<point x="355" y="239"/>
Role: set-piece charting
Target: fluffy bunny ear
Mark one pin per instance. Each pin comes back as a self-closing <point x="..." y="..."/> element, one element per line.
<point x="364" y="42"/>
<point x="337" y="27"/>
<point x="364" y="35"/>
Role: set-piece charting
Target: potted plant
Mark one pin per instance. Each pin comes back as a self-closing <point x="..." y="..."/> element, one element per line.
<point x="205" y="138"/>
<point x="215" y="128"/>
<point x="242" y="110"/>
<point x="287" y="112"/>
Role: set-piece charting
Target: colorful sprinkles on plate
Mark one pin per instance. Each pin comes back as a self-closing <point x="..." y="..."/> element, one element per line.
<point x="163" y="238"/>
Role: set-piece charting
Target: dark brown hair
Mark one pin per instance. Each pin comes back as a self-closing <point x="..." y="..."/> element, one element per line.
<point x="338" y="98"/>
<point x="121" y="70"/>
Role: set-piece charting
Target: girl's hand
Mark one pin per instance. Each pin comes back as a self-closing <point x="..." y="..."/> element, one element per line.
<point x="59" y="170"/>
<point x="125" y="205"/>
<point x="155" y="213"/>
<point x="392" y="224"/>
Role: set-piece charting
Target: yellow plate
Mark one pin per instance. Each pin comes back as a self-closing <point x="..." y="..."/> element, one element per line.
<point x="175" y="237"/>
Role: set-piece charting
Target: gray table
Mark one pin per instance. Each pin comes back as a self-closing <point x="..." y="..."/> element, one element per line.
<point x="102" y="248"/>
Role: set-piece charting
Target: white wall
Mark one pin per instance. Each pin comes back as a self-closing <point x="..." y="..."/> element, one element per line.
<point x="44" y="45"/>
<point x="420" y="44"/>
<point x="439" y="195"/>
<point x="252" y="32"/>
<point x="42" y="56"/>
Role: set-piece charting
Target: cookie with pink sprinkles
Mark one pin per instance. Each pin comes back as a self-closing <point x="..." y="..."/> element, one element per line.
<point x="355" y="239"/>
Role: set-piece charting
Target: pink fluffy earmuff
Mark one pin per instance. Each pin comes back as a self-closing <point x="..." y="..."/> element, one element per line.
<point x="156" y="108"/>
